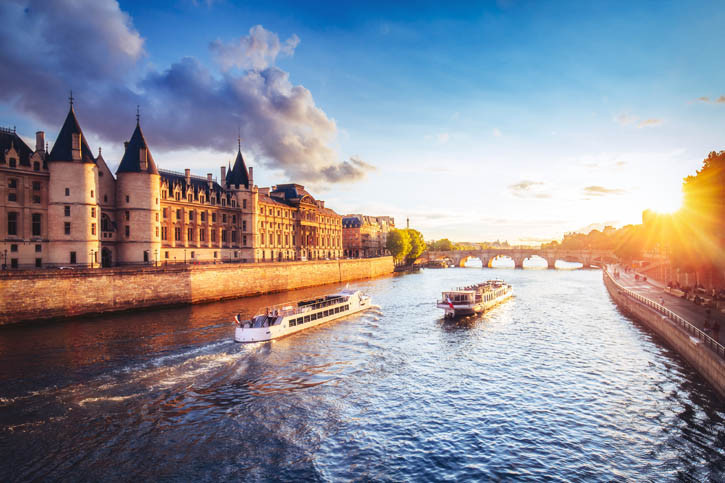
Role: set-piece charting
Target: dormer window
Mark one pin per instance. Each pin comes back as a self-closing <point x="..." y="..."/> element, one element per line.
<point x="143" y="160"/>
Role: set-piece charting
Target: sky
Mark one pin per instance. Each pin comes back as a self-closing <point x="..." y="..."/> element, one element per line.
<point x="510" y="120"/>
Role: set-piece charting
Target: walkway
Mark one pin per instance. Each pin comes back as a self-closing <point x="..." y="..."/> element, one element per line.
<point x="694" y="314"/>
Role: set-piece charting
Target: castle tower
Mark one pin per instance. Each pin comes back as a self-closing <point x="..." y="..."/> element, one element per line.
<point x="73" y="213"/>
<point x="138" y="187"/>
<point x="238" y="181"/>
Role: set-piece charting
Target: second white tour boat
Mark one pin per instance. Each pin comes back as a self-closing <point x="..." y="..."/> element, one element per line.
<point x="288" y="318"/>
<point x="474" y="298"/>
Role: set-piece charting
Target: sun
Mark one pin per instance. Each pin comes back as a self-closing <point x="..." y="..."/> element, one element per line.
<point x="665" y="201"/>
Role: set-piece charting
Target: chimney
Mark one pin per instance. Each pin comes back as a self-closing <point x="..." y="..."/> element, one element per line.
<point x="40" y="141"/>
<point x="187" y="175"/>
<point x="224" y="175"/>
<point x="209" y="180"/>
<point x="76" y="146"/>
<point x="251" y="176"/>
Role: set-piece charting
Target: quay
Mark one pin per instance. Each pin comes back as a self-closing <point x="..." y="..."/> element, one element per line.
<point x="678" y="321"/>
<point x="44" y="294"/>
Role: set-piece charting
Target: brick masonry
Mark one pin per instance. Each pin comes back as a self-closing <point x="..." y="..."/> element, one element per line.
<point x="34" y="295"/>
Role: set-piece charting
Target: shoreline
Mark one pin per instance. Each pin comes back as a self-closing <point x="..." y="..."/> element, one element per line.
<point x="49" y="295"/>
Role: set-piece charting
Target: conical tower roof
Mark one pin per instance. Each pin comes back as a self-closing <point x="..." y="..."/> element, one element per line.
<point x="62" y="149"/>
<point x="131" y="161"/>
<point x="238" y="176"/>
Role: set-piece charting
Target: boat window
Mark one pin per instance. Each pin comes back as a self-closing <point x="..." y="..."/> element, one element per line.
<point x="292" y="322"/>
<point x="327" y="312"/>
<point x="307" y="318"/>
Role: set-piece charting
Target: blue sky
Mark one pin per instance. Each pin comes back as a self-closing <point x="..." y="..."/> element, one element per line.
<point x="510" y="120"/>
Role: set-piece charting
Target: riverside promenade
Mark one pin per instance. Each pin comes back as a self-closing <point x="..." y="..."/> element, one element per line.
<point x="679" y="322"/>
<point x="686" y="309"/>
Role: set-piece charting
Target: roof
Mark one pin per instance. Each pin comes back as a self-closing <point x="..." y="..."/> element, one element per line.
<point x="271" y="200"/>
<point x="197" y="183"/>
<point x="238" y="175"/>
<point x="8" y="139"/>
<point x="292" y="192"/>
<point x="131" y="161"/>
<point x="63" y="146"/>
<point x="351" y="222"/>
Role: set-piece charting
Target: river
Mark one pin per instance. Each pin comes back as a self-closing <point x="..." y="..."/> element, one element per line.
<point x="555" y="384"/>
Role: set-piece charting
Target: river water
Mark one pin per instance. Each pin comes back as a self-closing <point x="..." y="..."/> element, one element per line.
<point x="555" y="384"/>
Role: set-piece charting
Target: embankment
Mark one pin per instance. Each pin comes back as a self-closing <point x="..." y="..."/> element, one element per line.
<point x="43" y="294"/>
<point x="692" y="346"/>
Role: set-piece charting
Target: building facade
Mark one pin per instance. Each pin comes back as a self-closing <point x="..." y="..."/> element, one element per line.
<point x="365" y="236"/>
<point x="66" y="208"/>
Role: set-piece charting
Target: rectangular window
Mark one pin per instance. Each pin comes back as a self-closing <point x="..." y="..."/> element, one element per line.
<point x="93" y="228"/>
<point x="177" y="233"/>
<point x="213" y="236"/>
<point x="191" y="216"/>
<point x="93" y="212"/>
<point x="127" y="215"/>
<point x="244" y="225"/>
<point x="244" y="240"/>
<point x="165" y="213"/>
<point x="13" y="248"/>
<point x="213" y="217"/>
<point x="313" y="317"/>
<point x="92" y="193"/>
<point x="66" y="210"/>
<point x="234" y="236"/>
<point x="190" y="234"/>
<point x="38" y="248"/>
<point x="164" y="233"/>
<point x="12" y="197"/>
<point x="66" y="227"/>
<point x="36" y="199"/>
<point x="67" y="191"/>
<point x="36" y="224"/>
<point x="166" y="254"/>
<point x="157" y="231"/>
<point x="38" y="262"/>
<point x="202" y="235"/>
<point x="36" y="185"/>
<point x="203" y="216"/>
<point x="234" y="219"/>
<point x="12" y="183"/>
<point x="73" y="257"/>
<point x="192" y="254"/>
<point x="224" y="218"/>
<point x="178" y="214"/>
<point x="127" y="199"/>
<point x="307" y="318"/>
<point x="215" y="255"/>
<point x="224" y="236"/>
<point x="293" y="322"/>
<point x="157" y="217"/>
<point x="13" y="261"/>
<point x="128" y="231"/>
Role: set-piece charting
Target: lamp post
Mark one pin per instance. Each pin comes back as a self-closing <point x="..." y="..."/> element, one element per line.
<point x="92" y="259"/>
<point x="156" y="257"/>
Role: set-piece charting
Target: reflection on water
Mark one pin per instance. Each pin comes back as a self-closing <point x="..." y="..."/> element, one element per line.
<point x="555" y="383"/>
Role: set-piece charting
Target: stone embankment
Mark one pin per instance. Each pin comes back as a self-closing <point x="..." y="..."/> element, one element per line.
<point x="706" y="355"/>
<point x="43" y="294"/>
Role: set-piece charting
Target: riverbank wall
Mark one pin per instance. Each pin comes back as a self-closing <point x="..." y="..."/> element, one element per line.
<point x="44" y="294"/>
<point x="699" y="350"/>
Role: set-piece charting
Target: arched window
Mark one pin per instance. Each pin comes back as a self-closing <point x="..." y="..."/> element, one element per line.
<point x="106" y="224"/>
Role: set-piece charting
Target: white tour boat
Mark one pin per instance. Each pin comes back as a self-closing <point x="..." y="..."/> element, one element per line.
<point x="288" y="318"/>
<point x="474" y="298"/>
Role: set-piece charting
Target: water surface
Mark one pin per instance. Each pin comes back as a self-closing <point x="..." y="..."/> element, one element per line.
<point x="554" y="384"/>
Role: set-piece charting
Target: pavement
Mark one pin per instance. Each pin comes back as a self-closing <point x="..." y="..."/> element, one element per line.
<point x="694" y="314"/>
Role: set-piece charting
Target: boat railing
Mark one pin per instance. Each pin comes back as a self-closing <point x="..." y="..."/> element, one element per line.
<point x="293" y="308"/>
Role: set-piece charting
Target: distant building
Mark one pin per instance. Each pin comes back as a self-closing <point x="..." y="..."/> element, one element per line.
<point x="365" y="236"/>
<point x="66" y="208"/>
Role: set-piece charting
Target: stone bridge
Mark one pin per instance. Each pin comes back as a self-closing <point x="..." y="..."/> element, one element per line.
<point x="586" y="257"/>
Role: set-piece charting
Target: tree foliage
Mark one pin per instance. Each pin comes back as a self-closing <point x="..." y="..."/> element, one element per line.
<point x="398" y="244"/>
<point x="417" y="245"/>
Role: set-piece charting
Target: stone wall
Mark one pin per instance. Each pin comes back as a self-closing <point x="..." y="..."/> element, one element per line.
<point x="32" y="295"/>
<point x="708" y="364"/>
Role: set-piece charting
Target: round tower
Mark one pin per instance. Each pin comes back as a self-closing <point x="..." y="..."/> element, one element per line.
<point x="73" y="212"/>
<point x="138" y="193"/>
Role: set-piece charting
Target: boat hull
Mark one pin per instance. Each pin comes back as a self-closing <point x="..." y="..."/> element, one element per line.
<point x="460" y="310"/>
<point x="283" y="329"/>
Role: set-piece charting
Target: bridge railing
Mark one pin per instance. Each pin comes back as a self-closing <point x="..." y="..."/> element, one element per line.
<point x="708" y="341"/>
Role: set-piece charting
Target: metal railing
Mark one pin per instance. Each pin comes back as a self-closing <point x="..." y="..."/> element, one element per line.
<point x="716" y="347"/>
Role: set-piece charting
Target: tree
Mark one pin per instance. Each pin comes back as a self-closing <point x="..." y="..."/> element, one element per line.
<point x="398" y="244"/>
<point x="443" y="245"/>
<point x="417" y="245"/>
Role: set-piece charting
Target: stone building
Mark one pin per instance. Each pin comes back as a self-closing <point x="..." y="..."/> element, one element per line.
<point x="365" y="236"/>
<point x="66" y="208"/>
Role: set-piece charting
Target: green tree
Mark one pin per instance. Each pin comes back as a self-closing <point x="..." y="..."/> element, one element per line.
<point x="417" y="245"/>
<point x="443" y="245"/>
<point x="398" y="244"/>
